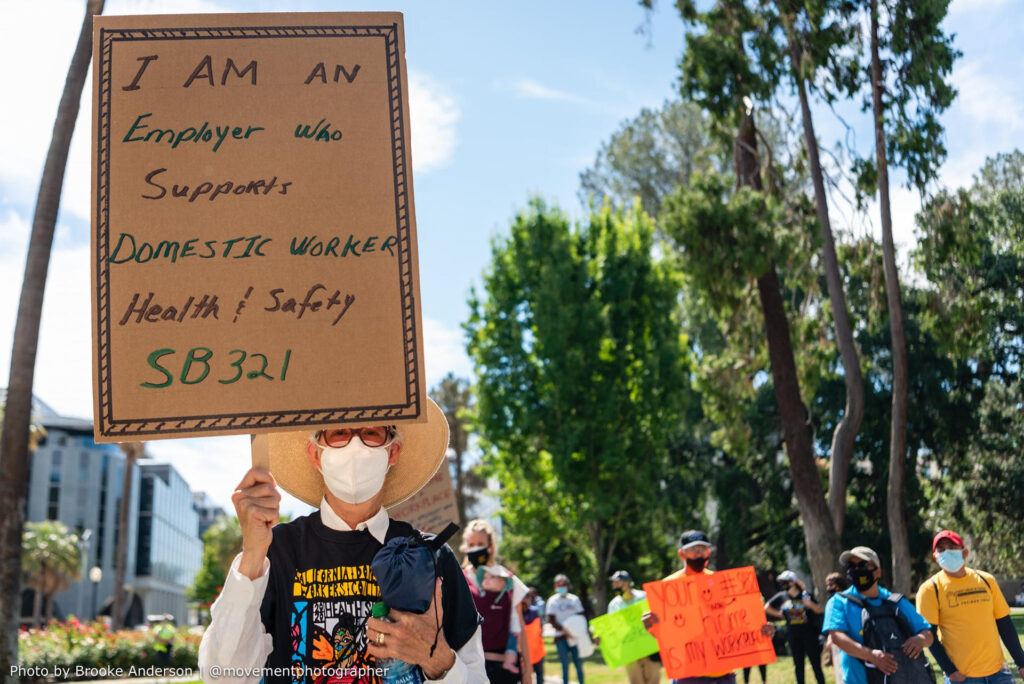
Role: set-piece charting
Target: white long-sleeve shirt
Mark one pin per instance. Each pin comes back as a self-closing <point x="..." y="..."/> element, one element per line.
<point x="236" y="645"/>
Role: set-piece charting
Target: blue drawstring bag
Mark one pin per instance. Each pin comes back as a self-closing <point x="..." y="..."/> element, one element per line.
<point x="406" y="569"/>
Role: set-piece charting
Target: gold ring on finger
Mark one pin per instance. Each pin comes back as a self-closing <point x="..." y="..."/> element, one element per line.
<point x="380" y="638"/>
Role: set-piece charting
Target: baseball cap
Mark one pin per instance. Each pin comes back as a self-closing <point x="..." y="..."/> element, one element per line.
<point x="947" y="534"/>
<point x="863" y="553"/>
<point x="620" y="576"/>
<point x="692" y="538"/>
<point x="787" y="576"/>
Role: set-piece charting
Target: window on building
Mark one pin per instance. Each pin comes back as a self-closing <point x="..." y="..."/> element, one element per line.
<point x="53" y="500"/>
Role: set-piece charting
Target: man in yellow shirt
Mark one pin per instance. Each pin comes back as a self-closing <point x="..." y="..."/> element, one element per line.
<point x="969" y="615"/>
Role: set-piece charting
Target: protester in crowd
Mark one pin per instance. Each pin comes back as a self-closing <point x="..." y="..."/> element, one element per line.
<point x="533" y="629"/>
<point x="797" y="607"/>
<point x="647" y="670"/>
<point x="844" y="619"/>
<point x="535" y="601"/>
<point x="695" y="551"/>
<point x="163" y="631"/>
<point x="969" y="616"/>
<point x="285" y="612"/>
<point x="498" y="595"/>
<point x="835" y="582"/>
<point x="560" y="606"/>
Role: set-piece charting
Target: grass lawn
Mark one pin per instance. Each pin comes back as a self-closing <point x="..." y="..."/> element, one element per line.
<point x="596" y="672"/>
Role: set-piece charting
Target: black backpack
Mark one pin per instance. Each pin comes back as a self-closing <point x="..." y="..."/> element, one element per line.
<point x="885" y="628"/>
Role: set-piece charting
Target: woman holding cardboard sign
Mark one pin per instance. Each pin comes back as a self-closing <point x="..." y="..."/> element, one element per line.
<point x="296" y="604"/>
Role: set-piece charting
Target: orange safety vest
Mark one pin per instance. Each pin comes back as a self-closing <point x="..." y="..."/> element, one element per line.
<point x="535" y="641"/>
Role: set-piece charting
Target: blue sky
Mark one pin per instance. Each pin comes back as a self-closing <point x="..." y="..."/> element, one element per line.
<point x="508" y="100"/>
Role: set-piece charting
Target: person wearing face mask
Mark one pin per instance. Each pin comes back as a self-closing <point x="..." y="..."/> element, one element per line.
<point x="561" y="606"/>
<point x="647" y="670"/>
<point x="498" y="595"/>
<point x="695" y="552"/>
<point x="533" y="629"/>
<point x="844" y="620"/>
<point x="970" y="616"/>
<point x="798" y="608"/>
<point x="296" y="603"/>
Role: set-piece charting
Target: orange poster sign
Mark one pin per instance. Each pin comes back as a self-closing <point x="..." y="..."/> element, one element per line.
<point x="710" y="624"/>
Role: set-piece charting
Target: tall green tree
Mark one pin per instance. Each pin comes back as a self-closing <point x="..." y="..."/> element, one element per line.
<point x="455" y="398"/>
<point x="911" y="58"/>
<point x="651" y="154"/>
<point x="731" y="439"/>
<point x="51" y="559"/>
<point x="970" y="252"/>
<point x="575" y="409"/>
<point x="221" y="543"/>
<point x="14" y="442"/>
<point x="728" y="235"/>
<point x="814" y="36"/>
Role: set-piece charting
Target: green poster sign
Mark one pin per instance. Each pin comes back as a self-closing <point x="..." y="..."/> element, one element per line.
<point x="623" y="637"/>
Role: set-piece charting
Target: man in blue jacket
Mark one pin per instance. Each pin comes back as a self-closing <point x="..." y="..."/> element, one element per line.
<point x="844" y="619"/>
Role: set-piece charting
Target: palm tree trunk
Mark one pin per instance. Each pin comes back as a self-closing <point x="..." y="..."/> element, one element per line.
<point x="845" y="433"/>
<point x="15" y="441"/>
<point x="819" y="531"/>
<point x="37" y="608"/>
<point x="132" y="452"/>
<point x="896" y="499"/>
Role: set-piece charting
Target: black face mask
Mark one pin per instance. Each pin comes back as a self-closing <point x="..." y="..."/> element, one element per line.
<point x="861" y="577"/>
<point x="697" y="564"/>
<point x="478" y="556"/>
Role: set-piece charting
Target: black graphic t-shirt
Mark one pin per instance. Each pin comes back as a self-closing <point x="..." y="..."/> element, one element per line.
<point x="798" y="615"/>
<point x="319" y="595"/>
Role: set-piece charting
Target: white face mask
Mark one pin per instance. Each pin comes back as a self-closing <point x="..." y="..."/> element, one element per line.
<point x="355" y="472"/>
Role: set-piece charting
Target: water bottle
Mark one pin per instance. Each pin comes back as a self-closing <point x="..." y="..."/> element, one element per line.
<point x="395" y="671"/>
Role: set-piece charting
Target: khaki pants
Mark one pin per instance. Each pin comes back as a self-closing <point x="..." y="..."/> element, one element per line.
<point x="644" y="671"/>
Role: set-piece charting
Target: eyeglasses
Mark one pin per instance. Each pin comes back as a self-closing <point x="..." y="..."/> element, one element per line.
<point x="854" y="565"/>
<point x="376" y="436"/>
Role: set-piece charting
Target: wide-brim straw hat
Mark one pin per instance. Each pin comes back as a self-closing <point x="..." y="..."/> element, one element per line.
<point x="423" y="451"/>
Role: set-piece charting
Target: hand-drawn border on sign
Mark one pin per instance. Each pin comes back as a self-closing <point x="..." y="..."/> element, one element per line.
<point x="411" y="409"/>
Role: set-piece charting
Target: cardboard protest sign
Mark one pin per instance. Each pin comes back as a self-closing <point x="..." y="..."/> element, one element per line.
<point x="254" y="241"/>
<point x="709" y="624"/>
<point x="433" y="507"/>
<point x="623" y="636"/>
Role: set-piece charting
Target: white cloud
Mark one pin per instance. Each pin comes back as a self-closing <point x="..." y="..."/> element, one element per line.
<point x="964" y="6"/>
<point x="445" y="351"/>
<point x="63" y="374"/>
<point x="530" y="89"/>
<point x="433" y="114"/>
<point x="988" y="97"/>
<point x="37" y="91"/>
